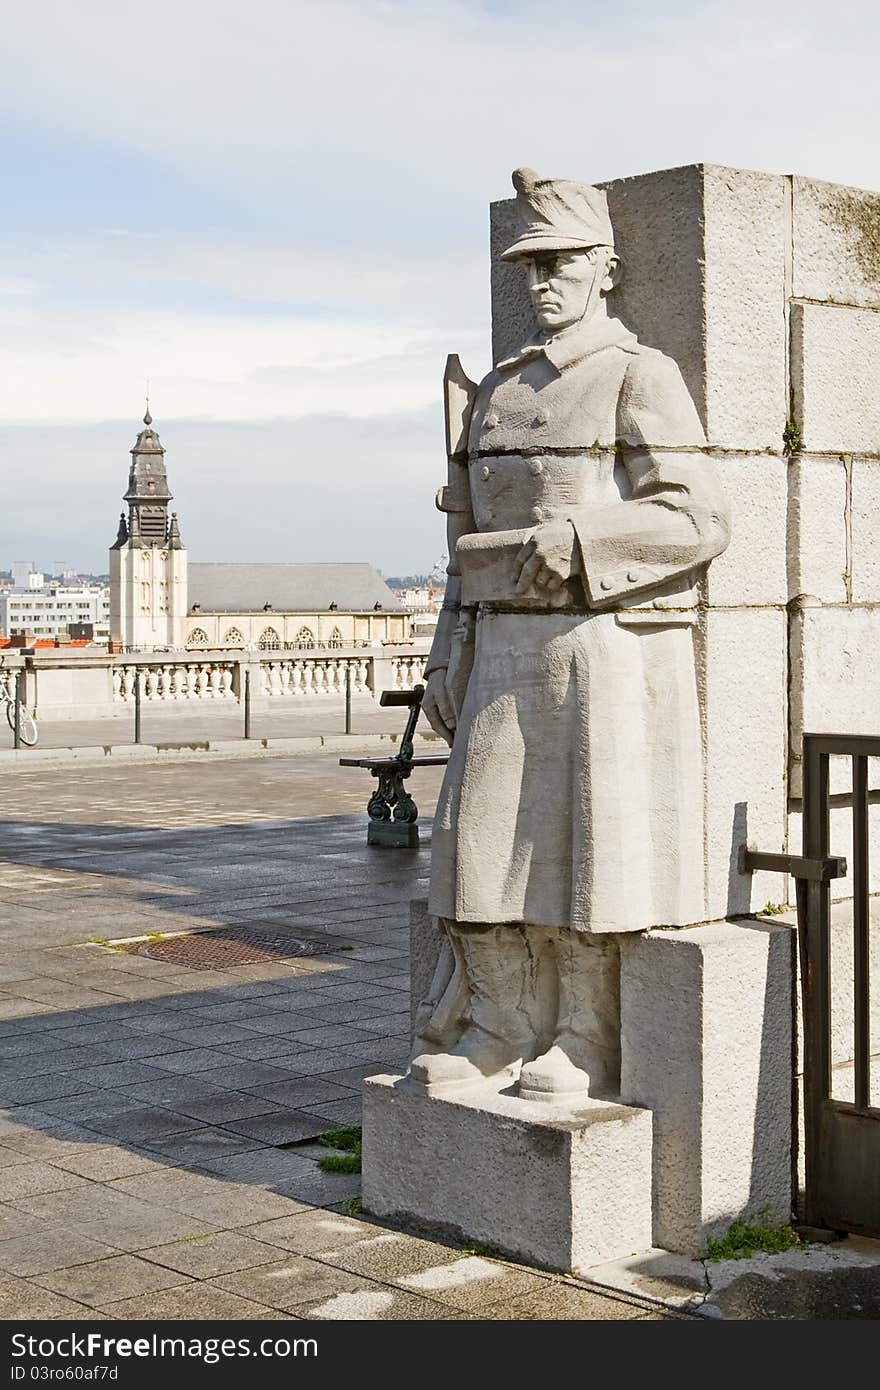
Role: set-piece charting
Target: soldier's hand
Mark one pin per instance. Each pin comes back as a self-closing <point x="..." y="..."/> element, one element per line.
<point x="437" y="706"/>
<point x="548" y="558"/>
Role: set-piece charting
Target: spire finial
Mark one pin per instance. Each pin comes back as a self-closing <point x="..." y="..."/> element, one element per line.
<point x="148" y="419"/>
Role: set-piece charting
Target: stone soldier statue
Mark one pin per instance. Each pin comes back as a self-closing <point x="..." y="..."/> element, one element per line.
<point x="582" y="512"/>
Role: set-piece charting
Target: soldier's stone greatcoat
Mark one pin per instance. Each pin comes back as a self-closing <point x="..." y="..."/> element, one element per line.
<point x="573" y="795"/>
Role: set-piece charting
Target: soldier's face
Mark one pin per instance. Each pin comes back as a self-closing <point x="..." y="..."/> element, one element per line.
<point x="561" y="286"/>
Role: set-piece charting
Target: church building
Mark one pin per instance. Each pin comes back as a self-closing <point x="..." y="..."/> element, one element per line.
<point x="160" y="602"/>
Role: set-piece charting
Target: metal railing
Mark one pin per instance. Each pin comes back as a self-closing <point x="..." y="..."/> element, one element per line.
<point x="841" y="1137"/>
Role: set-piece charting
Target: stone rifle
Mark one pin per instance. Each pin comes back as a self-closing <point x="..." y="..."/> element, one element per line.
<point x="453" y="641"/>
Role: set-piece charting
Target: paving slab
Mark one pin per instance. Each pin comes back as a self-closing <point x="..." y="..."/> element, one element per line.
<point x="104" y="1282"/>
<point x="50" y="1249"/>
<point x="209" y="1256"/>
<point x="563" y="1303"/>
<point x="291" y="1283"/>
<point x="29" y="1179"/>
<point x="20" y="1299"/>
<point x="194" y="1301"/>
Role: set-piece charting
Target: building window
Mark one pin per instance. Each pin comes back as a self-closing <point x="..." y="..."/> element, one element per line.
<point x="233" y="638"/>
<point x="197" y="638"/>
<point x="304" y="638"/>
<point x="269" y="640"/>
<point x="335" y="638"/>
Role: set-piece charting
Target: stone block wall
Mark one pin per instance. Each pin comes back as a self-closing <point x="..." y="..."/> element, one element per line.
<point x="765" y="289"/>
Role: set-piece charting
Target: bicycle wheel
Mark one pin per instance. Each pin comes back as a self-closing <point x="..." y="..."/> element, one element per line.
<point x="27" y="725"/>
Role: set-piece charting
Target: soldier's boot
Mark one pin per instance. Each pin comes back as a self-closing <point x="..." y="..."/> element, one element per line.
<point x="584" y="1057"/>
<point x="497" y="1035"/>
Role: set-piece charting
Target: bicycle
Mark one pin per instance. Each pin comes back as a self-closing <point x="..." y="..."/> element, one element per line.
<point x="27" y="725"/>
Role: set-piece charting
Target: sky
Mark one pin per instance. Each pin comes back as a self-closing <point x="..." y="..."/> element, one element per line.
<point x="276" y="213"/>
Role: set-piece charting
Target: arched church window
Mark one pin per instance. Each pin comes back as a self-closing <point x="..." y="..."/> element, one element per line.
<point x="304" y="638"/>
<point x="233" y="638"/>
<point x="335" y="638"/>
<point x="269" y="640"/>
<point x="197" y="638"/>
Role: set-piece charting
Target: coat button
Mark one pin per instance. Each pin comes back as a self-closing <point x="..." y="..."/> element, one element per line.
<point x="490" y="422"/>
<point x="485" y="472"/>
<point x="632" y="577"/>
<point x="606" y="584"/>
<point x="537" y="513"/>
<point x="536" y="467"/>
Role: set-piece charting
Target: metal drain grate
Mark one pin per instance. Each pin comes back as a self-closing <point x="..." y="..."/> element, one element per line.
<point x="212" y="950"/>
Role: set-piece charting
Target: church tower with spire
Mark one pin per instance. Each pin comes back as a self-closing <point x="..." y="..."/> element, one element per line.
<point x="148" y="590"/>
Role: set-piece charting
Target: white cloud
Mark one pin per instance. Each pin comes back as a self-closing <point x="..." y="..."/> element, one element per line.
<point x="301" y="98"/>
<point x="80" y="366"/>
<point x="356" y="146"/>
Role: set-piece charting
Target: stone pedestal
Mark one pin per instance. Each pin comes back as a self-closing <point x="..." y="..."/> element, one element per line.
<point x="706" y="1042"/>
<point x="563" y="1190"/>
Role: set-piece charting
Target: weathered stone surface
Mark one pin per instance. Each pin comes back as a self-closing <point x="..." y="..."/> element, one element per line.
<point x="835" y="679"/>
<point x="835" y="243"/>
<point x="425" y="942"/>
<point x="745" y="251"/>
<point x="658" y="231"/>
<point x="835" y="365"/>
<point x="706" y="1045"/>
<point x="744" y="700"/>
<point x="817" y="529"/>
<point x="865" y="562"/>
<point x="512" y="317"/>
<point x="561" y="1189"/>
<point x="751" y="571"/>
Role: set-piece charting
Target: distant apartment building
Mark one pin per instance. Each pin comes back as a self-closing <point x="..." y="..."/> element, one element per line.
<point x="56" y="611"/>
<point x="25" y="575"/>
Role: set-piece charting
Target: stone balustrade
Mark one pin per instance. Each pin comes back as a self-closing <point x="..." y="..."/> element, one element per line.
<point x="302" y="675"/>
<point x="91" y="684"/>
<point x="275" y="675"/>
<point x="170" y="681"/>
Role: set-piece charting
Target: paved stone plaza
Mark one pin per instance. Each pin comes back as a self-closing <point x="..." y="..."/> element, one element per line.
<point x="322" y="717"/>
<point x="155" y="1154"/>
<point x="157" y="1120"/>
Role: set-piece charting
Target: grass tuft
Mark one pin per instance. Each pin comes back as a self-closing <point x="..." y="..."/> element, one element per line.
<point x="742" y="1240"/>
<point x="348" y="1140"/>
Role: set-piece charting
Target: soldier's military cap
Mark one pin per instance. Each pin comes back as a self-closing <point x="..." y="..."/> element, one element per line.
<point x="557" y="215"/>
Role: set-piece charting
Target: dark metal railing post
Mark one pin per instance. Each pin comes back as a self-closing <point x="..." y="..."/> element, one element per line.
<point x="348" y="697"/>
<point x="247" y="704"/>
<point x="861" y="929"/>
<point x="814" y="938"/>
<point x="137" y="704"/>
<point x="19" y="678"/>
